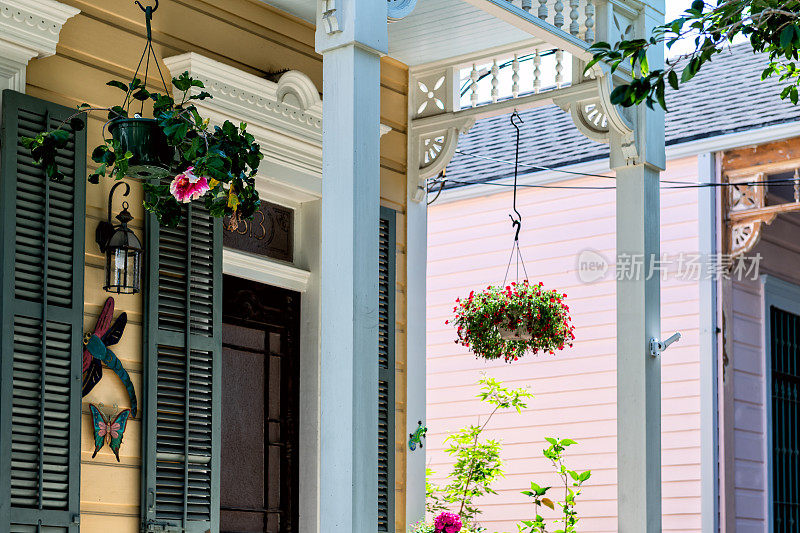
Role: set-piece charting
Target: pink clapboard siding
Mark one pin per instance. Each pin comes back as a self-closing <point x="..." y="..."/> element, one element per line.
<point x="575" y="392"/>
<point x="780" y="250"/>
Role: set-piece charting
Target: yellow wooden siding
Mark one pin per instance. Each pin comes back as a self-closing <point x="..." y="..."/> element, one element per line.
<point x="104" y="42"/>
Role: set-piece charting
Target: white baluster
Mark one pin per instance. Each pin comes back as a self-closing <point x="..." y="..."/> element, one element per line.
<point x="543" y="9"/>
<point x="589" y="38"/>
<point x="574" y="26"/>
<point x="796" y="186"/>
<point x="515" y="77"/>
<point x="559" y="68"/>
<point x="495" y="80"/>
<point x="527" y="5"/>
<point x="558" y="20"/>
<point x="473" y="75"/>
<point x="537" y="72"/>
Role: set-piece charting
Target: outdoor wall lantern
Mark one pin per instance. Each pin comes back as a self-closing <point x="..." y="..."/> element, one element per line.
<point x="122" y="248"/>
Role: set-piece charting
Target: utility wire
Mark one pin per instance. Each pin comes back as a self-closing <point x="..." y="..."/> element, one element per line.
<point x="677" y="184"/>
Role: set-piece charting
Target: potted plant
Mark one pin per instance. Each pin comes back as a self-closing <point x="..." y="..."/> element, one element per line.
<point x="216" y="163"/>
<point x="507" y="322"/>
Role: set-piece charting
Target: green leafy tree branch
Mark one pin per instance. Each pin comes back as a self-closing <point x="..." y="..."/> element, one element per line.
<point x="771" y="26"/>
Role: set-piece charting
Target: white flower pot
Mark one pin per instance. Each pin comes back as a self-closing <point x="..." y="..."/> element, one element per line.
<point x="518" y="334"/>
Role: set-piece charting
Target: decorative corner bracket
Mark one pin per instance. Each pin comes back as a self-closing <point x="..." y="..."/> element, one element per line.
<point x="329" y="16"/>
<point x="432" y="151"/>
<point x="747" y="210"/>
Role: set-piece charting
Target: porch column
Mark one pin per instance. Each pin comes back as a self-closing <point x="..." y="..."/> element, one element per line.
<point x="638" y="166"/>
<point x="351" y="36"/>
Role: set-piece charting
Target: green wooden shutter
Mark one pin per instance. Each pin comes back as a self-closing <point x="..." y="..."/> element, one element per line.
<point x="387" y="252"/>
<point x="785" y="355"/>
<point x="183" y="337"/>
<point x="42" y="256"/>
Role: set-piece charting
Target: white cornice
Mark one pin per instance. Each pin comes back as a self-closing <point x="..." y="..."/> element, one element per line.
<point x="291" y="106"/>
<point x="30" y="28"/>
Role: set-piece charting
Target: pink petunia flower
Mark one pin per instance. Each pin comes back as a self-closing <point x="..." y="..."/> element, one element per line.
<point x="447" y="522"/>
<point x="187" y="187"/>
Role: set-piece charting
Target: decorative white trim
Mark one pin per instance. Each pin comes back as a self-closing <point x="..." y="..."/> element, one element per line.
<point x="28" y="30"/>
<point x="264" y="270"/>
<point x="329" y="17"/>
<point x="285" y="116"/>
<point x="385" y="129"/>
<point x="292" y="104"/>
<point x="32" y="27"/>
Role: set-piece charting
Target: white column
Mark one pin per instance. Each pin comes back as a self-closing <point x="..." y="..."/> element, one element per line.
<point x="416" y="260"/>
<point x="639" y="309"/>
<point x="638" y="373"/>
<point x="351" y="36"/>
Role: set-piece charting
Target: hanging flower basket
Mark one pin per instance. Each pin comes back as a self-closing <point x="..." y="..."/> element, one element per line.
<point x="151" y="155"/>
<point x="507" y="322"/>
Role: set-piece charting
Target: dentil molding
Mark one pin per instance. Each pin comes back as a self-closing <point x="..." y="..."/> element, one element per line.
<point x="30" y="28"/>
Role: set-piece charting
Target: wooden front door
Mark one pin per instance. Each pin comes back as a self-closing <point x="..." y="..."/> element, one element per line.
<point x="260" y="378"/>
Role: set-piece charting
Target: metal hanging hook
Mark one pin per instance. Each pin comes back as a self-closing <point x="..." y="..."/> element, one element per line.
<point x="152" y="9"/>
<point x="516" y="222"/>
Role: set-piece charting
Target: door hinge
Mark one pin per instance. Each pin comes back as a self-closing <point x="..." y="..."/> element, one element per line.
<point x="155" y="526"/>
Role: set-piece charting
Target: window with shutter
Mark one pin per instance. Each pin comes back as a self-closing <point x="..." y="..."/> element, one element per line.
<point x="184" y="345"/>
<point x="386" y="371"/>
<point x="42" y="255"/>
<point x="785" y="355"/>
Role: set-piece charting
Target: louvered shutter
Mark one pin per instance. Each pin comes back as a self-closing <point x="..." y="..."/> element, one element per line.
<point x="42" y="254"/>
<point x="184" y="345"/>
<point x="387" y="251"/>
<point x="785" y="366"/>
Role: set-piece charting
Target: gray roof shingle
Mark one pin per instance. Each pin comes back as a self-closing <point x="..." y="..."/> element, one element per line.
<point x="726" y="96"/>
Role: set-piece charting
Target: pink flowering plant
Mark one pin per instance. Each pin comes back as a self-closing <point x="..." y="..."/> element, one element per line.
<point x="538" y="319"/>
<point x="447" y="522"/>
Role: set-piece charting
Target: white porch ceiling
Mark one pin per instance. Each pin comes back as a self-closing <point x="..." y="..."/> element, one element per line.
<point x="442" y="29"/>
<point x="436" y="30"/>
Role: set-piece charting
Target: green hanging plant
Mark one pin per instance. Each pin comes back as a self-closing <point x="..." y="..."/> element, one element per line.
<point x="218" y="163"/>
<point x="507" y="322"/>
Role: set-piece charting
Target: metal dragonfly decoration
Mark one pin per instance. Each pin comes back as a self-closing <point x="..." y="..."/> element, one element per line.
<point x="96" y="352"/>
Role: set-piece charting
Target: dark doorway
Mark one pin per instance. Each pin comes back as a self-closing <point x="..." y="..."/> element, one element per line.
<point x="260" y="403"/>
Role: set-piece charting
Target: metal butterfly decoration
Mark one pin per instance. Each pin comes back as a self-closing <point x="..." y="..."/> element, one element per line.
<point x="108" y="430"/>
<point x="415" y="438"/>
<point x="96" y="352"/>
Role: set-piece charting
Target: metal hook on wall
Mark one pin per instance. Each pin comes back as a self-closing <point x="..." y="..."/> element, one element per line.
<point x="516" y="222"/>
<point x="152" y="9"/>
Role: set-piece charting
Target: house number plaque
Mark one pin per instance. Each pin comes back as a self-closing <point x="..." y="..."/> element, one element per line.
<point x="269" y="233"/>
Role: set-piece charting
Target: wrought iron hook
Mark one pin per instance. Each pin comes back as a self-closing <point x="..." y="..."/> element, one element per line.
<point x="152" y="9"/>
<point x="516" y="222"/>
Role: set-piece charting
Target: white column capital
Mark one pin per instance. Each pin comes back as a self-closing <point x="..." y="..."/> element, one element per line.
<point x="361" y="23"/>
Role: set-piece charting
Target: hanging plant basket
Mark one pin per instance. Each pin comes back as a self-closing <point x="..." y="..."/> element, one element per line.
<point x="151" y="154"/>
<point x="508" y="322"/>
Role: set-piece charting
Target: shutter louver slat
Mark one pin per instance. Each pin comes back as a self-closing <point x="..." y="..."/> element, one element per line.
<point x="386" y="369"/>
<point x="182" y="467"/>
<point x="42" y="254"/>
